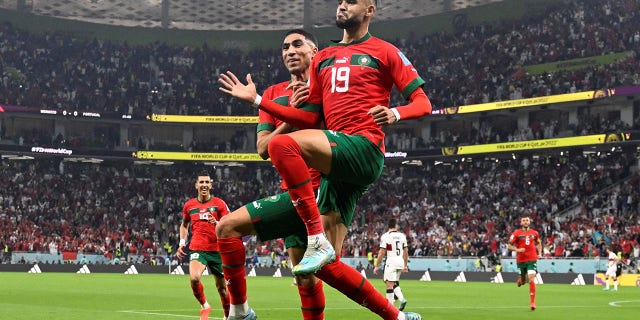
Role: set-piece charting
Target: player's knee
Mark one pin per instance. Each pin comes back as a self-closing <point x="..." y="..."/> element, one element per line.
<point x="306" y="280"/>
<point x="280" y="145"/>
<point x="225" y="228"/>
<point x="222" y="290"/>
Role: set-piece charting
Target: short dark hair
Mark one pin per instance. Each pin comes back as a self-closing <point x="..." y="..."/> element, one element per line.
<point x="307" y="35"/>
<point x="393" y="223"/>
<point x="203" y="173"/>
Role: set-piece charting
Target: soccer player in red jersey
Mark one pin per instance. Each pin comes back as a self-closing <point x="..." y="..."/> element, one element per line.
<point x="350" y="84"/>
<point x="526" y="242"/>
<point x="273" y="217"/>
<point x="201" y="214"/>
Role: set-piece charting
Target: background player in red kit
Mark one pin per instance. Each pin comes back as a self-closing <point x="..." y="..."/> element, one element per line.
<point x="201" y="214"/>
<point x="526" y="242"/>
<point x="350" y="84"/>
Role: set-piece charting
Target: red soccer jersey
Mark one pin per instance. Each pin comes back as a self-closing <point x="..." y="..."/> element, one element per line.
<point x="527" y="240"/>
<point x="349" y="79"/>
<point x="279" y="94"/>
<point x="203" y="232"/>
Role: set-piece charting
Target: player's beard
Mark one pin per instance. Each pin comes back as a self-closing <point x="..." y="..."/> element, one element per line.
<point x="347" y="24"/>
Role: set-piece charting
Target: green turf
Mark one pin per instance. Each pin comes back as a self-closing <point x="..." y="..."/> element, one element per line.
<point x="52" y="296"/>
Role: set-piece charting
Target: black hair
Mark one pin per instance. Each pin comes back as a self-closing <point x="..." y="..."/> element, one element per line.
<point x="393" y="223"/>
<point x="307" y="35"/>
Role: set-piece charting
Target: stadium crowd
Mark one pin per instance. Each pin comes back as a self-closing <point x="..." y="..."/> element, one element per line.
<point x="579" y="203"/>
<point x="475" y="64"/>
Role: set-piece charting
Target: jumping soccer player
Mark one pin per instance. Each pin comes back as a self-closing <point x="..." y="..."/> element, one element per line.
<point x="350" y="85"/>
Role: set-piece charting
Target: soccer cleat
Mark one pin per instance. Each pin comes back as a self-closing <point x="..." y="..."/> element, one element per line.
<point x="533" y="306"/>
<point x="204" y="313"/>
<point x="519" y="282"/>
<point x="251" y="315"/>
<point x="403" y="304"/>
<point x="318" y="254"/>
<point x="412" y="316"/>
<point x="605" y="289"/>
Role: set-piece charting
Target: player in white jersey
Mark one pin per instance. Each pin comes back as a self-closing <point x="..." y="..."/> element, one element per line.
<point x="393" y="247"/>
<point x="611" y="270"/>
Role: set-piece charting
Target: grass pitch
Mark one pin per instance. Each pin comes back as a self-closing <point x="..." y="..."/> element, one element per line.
<point x="66" y="296"/>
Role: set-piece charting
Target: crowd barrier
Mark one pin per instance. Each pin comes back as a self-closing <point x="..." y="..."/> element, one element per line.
<point x="467" y="264"/>
<point x="278" y="272"/>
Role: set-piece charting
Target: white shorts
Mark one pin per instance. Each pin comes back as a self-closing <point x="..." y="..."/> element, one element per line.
<point x="611" y="271"/>
<point x="392" y="274"/>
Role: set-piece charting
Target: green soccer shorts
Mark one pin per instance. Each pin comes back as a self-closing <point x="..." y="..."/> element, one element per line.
<point x="275" y="217"/>
<point x="524" y="267"/>
<point x="210" y="259"/>
<point x="356" y="164"/>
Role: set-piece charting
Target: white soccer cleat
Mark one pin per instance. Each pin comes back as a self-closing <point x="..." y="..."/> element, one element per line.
<point x="251" y="315"/>
<point x="412" y="316"/>
<point x="319" y="253"/>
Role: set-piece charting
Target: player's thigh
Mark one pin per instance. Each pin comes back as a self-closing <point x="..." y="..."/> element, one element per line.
<point x="334" y="228"/>
<point x="522" y="268"/>
<point x="340" y="197"/>
<point x="275" y="217"/>
<point x="213" y="261"/>
<point x="316" y="149"/>
<point x="391" y="274"/>
<point x="296" y="254"/>
<point x="197" y="264"/>
<point x="531" y="268"/>
<point x="296" y="242"/>
<point x="238" y="223"/>
<point x="611" y="272"/>
<point x="355" y="159"/>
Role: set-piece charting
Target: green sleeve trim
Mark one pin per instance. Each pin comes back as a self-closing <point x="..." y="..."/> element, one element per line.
<point x="265" y="126"/>
<point x="412" y="86"/>
<point x="311" y="107"/>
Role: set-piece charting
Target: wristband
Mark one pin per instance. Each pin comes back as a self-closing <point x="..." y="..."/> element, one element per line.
<point x="182" y="243"/>
<point x="256" y="102"/>
<point x="396" y="113"/>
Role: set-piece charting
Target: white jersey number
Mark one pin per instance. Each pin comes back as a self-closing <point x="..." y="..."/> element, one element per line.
<point x="340" y="74"/>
